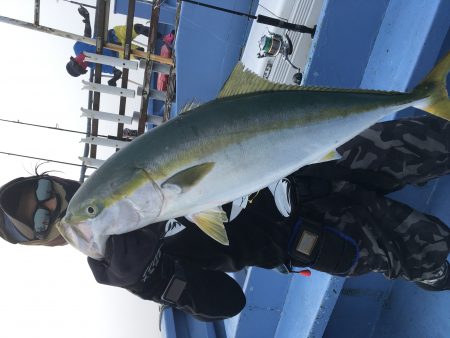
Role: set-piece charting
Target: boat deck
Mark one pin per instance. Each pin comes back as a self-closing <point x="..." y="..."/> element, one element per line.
<point x="388" y="45"/>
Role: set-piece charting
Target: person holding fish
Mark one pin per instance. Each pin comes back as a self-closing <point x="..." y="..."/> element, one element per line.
<point x="331" y="216"/>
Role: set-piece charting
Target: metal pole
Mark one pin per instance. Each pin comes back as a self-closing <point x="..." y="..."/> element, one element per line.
<point x="125" y="71"/>
<point x="151" y="43"/>
<point x="79" y="3"/>
<point x="88" y="130"/>
<point x="259" y="18"/>
<point x="37" y="4"/>
<point x="220" y="9"/>
<point x="57" y="32"/>
<point x="47" y="30"/>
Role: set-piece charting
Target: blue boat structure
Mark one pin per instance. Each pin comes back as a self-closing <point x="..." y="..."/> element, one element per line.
<point x="386" y="44"/>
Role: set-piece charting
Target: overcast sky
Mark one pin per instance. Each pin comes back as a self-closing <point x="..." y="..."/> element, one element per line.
<point x="50" y="292"/>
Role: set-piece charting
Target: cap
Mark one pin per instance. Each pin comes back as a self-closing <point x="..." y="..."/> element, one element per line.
<point x="74" y="69"/>
<point x="14" y="230"/>
<point x="11" y="229"/>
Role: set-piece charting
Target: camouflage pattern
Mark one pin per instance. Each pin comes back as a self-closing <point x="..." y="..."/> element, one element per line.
<point x="393" y="238"/>
<point x="413" y="150"/>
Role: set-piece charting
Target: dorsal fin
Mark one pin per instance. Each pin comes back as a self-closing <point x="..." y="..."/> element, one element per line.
<point x="244" y="81"/>
<point x="189" y="106"/>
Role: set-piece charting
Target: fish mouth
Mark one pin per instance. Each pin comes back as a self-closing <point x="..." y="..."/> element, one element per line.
<point x="82" y="238"/>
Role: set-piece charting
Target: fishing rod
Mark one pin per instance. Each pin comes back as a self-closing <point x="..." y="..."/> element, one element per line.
<point x="78" y="3"/>
<point x="45" y="159"/>
<point x="60" y="129"/>
<point x="259" y="18"/>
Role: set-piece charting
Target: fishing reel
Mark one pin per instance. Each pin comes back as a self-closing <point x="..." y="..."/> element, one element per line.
<point x="272" y="44"/>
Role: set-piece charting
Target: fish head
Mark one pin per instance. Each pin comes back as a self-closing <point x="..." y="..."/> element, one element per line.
<point x="101" y="208"/>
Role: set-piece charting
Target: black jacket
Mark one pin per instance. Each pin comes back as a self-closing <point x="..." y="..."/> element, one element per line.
<point x="144" y="261"/>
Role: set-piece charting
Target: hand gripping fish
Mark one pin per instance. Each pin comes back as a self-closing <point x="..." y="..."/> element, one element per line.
<point x="255" y="133"/>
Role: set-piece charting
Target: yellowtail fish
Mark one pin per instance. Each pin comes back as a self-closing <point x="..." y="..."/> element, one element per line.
<point x="255" y="133"/>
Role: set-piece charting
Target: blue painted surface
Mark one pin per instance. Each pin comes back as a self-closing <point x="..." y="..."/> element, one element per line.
<point x="208" y="45"/>
<point x="407" y="44"/>
<point x="143" y="10"/>
<point x="411" y="38"/>
<point x="175" y="324"/>
<point x="308" y="306"/>
<point x="358" y="307"/>
<point x="266" y="292"/>
<point x="168" y="329"/>
<point x="344" y="40"/>
<point x="411" y="312"/>
<point x="197" y="328"/>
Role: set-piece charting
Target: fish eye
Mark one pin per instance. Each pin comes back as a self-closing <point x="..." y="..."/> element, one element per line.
<point x="91" y="210"/>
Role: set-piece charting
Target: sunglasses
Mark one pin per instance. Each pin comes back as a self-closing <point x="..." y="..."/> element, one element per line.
<point x="42" y="216"/>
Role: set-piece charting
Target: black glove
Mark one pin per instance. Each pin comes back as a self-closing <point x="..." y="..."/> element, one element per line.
<point x="84" y="13"/>
<point x="136" y="262"/>
<point x="210" y="295"/>
<point x="127" y="256"/>
<point x="87" y="23"/>
<point x="117" y="74"/>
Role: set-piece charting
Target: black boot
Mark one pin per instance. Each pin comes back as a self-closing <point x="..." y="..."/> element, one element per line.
<point x="144" y="30"/>
<point x="141" y="29"/>
<point x="441" y="285"/>
<point x="116" y="76"/>
<point x="87" y="23"/>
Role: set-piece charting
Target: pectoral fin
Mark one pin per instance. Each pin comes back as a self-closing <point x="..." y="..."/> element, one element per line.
<point x="187" y="178"/>
<point x="211" y="223"/>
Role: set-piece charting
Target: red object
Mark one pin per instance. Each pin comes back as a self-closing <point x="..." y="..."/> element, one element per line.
<point x="305" y="273"/>
<point x="163" y="79"/>
<point x="80" y="60"/>
<point x="168" y="38"/>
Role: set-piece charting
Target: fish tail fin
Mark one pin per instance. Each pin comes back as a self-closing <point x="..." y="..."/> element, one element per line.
<point x="433" y="88"/>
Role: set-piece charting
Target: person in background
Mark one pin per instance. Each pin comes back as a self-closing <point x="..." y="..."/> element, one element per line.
<point x="78" y="66"/>
<point x="166" y="51"/>
<point x="332" y="217"/>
